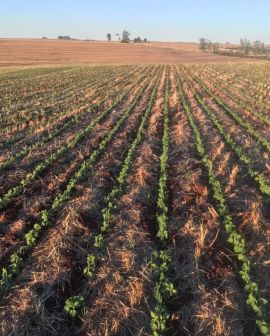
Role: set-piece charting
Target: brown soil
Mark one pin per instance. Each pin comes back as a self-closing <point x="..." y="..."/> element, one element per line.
<point x="30" y="52"/>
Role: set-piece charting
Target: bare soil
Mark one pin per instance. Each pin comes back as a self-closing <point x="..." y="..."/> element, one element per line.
<point x="30" y="52"/>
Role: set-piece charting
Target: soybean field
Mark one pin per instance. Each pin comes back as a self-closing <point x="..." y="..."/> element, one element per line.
<point x="134" y="200"/>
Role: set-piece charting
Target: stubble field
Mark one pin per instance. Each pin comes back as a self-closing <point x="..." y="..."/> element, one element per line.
<point x="134" y="200"/>
<point x="34" y="52"/>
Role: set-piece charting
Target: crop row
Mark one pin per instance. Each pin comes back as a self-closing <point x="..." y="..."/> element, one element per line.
<point x="163" y="288"/>
<point x="48" y="114"/>
<point x="254" y="299"/>
<point x="54" y="133"/>
<point x="252" y="171"/>
<point x="234" y="115"/>
<point x="247" y="76"/>
<point x="236" y="87"/>
<point x="75" y="303"/>
<point x="51" y="124"/>
<point x="16" y="259"/>
<point x="22" y="102"/>
<point x="40" y="167"/>
<point x="53" y="89"/>
<point x="60" y="112"/>
<point x="243" y="101"/>
<point x="33" y="85"/>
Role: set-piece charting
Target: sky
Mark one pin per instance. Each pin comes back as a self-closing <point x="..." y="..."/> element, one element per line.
<point x="157" y="20"/>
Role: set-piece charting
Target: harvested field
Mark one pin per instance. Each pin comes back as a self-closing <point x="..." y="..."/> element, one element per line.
<point x="27" y="52"/>
<point x="134" y="199"/>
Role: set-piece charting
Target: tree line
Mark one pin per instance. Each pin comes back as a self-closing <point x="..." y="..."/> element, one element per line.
<point x="246" y="48"/>
<point x="207" y="45"/>
<point x="125" y="38"/>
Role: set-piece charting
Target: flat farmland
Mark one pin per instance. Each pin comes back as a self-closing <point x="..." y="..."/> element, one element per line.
<point x="16" y="52"/>
<point x="134" y="199"/>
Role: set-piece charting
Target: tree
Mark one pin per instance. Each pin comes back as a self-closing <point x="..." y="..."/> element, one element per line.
<point x="109" y="37"/>
<point x="137" y="39"/>
<point x="257" y="45"/>
<point x="245" y="45"/>
<point x="125" y="36"/>
<point x="118" y="36"/>
<point x="203" y="44"/>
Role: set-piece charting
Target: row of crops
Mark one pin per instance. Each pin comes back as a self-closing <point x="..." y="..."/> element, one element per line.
<point x="134" y="200"/>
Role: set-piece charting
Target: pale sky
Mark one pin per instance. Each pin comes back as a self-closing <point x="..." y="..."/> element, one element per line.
<point x="170" y="20"/>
